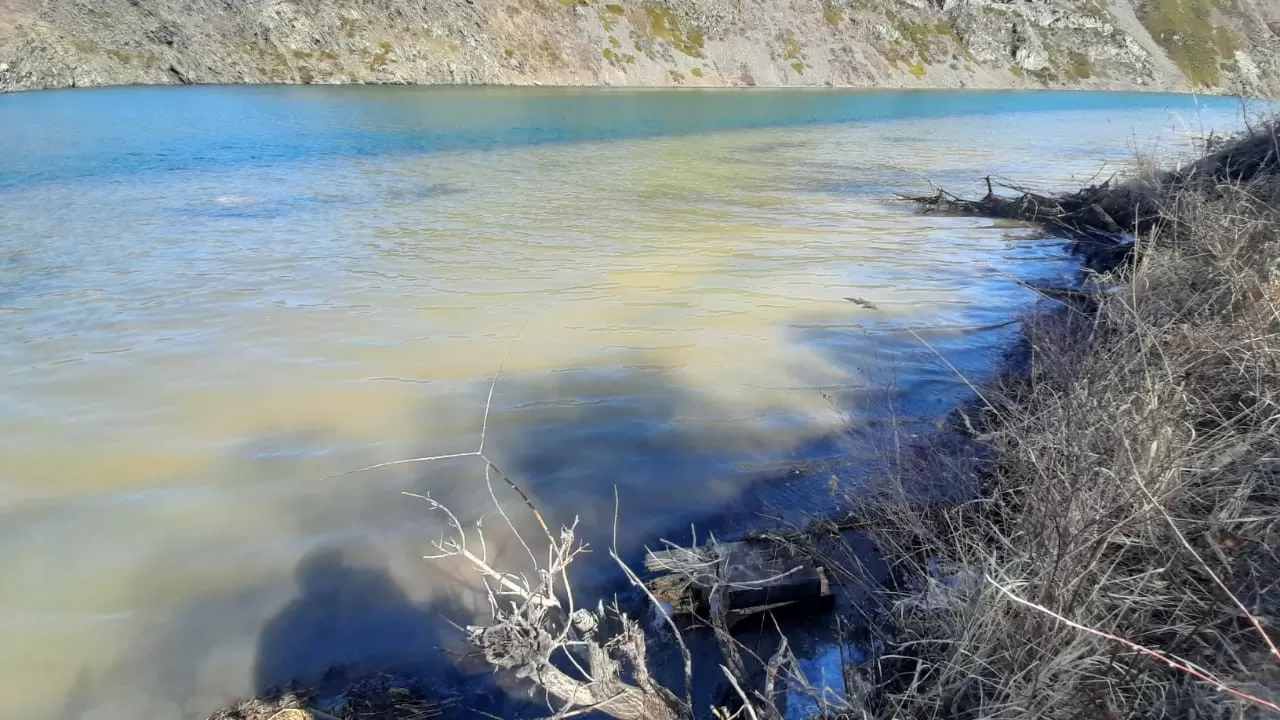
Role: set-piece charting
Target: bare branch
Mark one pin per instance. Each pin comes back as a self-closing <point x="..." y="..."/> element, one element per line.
<point x="488" y="403"/>
<point x="746" y="703"/>
<point x="671" y="623"/>
<point x="433" y="458"/>
<point x="488" y="482"/>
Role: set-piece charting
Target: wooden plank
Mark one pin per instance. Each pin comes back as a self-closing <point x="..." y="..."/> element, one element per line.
<point x="756" y="575"/>
<point x="666" y="560"/>
<point x="805" y="585"/>
<point x="822" y="603"/>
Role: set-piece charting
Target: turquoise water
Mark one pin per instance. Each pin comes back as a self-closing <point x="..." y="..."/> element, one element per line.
<point x="54" y="136"/>
<point x="215" y="300"/>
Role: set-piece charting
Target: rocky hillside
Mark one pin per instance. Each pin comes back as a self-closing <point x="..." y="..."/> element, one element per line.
<point x="1228" y="46"/>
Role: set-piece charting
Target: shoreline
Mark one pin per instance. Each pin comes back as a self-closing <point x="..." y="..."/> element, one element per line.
<point x="1216" y="93"/>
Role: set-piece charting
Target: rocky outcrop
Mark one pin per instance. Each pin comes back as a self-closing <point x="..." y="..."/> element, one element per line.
<point x="1221" y="46"/>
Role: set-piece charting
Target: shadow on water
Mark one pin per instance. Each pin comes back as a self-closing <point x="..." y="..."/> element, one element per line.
<point x="583" y="443"/>
<point x="361" y="599"/>
<point x="343" y="614"/>
<point x="349" y="619"/>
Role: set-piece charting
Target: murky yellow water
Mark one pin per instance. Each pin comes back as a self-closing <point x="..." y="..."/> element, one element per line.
<point x="213" y="302"/>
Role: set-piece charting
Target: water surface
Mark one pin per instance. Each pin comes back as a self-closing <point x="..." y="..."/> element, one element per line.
<point x="212" y="301"/>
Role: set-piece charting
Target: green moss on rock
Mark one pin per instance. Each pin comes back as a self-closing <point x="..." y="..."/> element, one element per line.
<point x="923" y="36"/>
<point x="791" y="48"/>
<point x="1185" y="29"/>
<point x="381" y="58"/>
<point x="662" y="24"/>
<point x="1046" y="76"/>
<point x="1078" y="65"/>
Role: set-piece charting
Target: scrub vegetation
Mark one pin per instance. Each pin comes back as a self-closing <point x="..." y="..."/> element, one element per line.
<point x="1121" y="553"/>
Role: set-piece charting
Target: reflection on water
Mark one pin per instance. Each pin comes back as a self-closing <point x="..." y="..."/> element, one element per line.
<point x="215" y="300"/>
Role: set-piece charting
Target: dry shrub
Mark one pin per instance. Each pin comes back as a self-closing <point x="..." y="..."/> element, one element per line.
<point x="1135" y="464"/>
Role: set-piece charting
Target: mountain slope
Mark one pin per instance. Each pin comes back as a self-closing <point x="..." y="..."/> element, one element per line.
<point x="1230" y="46"/>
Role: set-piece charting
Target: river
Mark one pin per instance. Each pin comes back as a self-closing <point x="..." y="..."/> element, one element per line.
<point x="216" y="301"/>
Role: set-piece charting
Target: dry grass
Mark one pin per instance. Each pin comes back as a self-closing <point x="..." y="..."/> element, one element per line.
<point x="373" y="697"/>
<point x="1123" y="555"/>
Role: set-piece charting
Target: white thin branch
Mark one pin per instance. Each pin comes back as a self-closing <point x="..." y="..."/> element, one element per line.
<point x="746" y="703"/>
<point x="461" y="541"/>
<point x="506" y="582"/>
<point x="488" y="481"/>
<point x="684" y="649"/>
<point x="484" y="423"/>
<point x="407" y="461"/>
